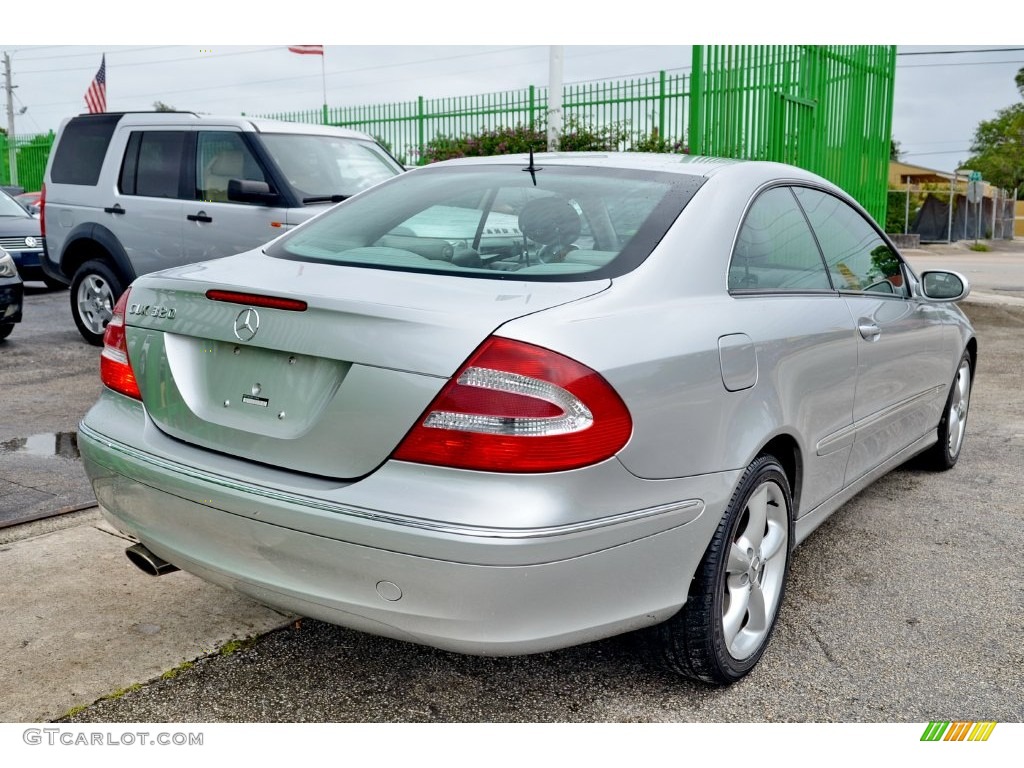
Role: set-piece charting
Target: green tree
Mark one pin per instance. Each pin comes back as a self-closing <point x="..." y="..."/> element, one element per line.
<point x="998" y="146"/>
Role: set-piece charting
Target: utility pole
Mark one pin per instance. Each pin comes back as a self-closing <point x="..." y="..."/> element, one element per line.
<point x="12" y="153"/>
<point x="555" y="98"/>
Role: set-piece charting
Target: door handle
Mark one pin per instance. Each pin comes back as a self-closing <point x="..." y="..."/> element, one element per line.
<point x="201" y="216"/>
<point x="869" y="331"/>
<point x="115" y="209"/>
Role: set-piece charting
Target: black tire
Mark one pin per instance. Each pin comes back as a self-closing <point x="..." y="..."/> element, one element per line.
<point x="953" y="425"/>
<point x="5" y="330"/>
<point x="697" y="642"/>
<point x="95" y="289"/>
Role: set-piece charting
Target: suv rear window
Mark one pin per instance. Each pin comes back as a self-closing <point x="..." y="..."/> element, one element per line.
<point x="82" y="147"/>
<point x="558" y="223"/>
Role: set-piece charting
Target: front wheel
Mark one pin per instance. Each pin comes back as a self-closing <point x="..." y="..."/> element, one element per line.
<point x="953" y="425"/>
<point x="723" y="629"/>
<point x="95" y="290"/>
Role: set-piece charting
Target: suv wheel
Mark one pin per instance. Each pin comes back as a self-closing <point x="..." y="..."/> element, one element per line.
<point x="94" y="291"/>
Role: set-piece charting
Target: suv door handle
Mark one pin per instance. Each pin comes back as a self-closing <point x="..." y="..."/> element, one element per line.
<point x="116" y="209"/>
<point x="201" y="216"/>
<point x="869" y="331"/>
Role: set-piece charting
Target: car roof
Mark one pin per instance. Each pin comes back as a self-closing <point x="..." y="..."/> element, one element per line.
<point x="689" y="165"/>
<point x="259" y="125"/>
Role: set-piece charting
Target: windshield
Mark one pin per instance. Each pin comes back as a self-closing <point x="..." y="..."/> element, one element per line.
<point x="558" y="223"/>
<point x="11" y="207"/>
<point x="328" y="166"/>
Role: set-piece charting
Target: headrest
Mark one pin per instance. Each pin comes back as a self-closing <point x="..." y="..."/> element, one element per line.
<point x="228" y="163"/>
<point x="550" y="221"/>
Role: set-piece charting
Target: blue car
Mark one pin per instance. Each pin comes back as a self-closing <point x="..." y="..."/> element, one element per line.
<point x="21" y="237"/>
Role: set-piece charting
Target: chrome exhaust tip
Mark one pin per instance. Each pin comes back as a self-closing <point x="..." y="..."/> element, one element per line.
<point x="146" y="561"/>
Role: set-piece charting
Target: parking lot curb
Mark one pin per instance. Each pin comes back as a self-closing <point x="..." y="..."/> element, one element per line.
<point x="89" y="623"/>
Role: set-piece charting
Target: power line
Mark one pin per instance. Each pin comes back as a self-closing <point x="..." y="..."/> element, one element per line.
<point x="952" y="51"/>
<point x="90" y="67"/>
<point x="941" y="152"/>
<point x="959" y="64"/>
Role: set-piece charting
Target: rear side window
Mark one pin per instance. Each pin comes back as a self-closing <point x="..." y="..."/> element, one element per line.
<point x="153" y="164"/>
<point x="82" y="147"/>
<point x="775" y="250"/>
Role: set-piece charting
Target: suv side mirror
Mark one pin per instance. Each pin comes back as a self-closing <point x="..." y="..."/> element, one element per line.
<point x="248" y="191"/>
<point x="939" y="285"/>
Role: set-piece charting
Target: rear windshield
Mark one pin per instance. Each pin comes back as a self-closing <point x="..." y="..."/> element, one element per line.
<point x="556" y="223"/>
<point x="78" y="158"/>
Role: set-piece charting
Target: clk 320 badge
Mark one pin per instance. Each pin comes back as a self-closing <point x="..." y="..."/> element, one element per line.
<point x="152" y="310"/>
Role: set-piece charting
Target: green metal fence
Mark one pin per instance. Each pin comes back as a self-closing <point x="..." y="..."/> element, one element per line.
<point x="826" y="108"/>
<point x="31" y="153"/>
<point x="639" y="106"/>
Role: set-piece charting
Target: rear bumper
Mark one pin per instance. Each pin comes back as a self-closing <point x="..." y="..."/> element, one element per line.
<point x="485" y="590"/>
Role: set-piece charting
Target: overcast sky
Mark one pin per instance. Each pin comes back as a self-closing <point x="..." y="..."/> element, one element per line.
<point x="940" y="97"/>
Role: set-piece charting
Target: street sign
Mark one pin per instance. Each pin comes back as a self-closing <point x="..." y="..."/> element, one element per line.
<point x="975" y="176"/>
<point x="975" y="191"/>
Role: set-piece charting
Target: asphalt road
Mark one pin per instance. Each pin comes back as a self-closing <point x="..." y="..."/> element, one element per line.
<point x="48" y="379"/>
<point x="906" y="606"/>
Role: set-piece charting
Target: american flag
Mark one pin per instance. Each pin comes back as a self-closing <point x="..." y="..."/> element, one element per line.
<point x="317" y="50"/>
<point x="96" y="96"/>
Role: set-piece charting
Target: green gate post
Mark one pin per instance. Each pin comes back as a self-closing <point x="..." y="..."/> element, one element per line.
<point x="695" y="140"/>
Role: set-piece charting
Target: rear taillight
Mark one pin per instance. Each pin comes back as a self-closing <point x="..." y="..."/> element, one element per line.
<point x="42" y="211"/>
<point x="115" y="368"/>
<point x="514" y="407"/>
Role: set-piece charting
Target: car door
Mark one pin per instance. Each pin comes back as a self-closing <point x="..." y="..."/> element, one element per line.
<point x="146" y="212"/>
<point x="802" y="336"/>
<point x="900" y="377"/>
<point x="215" y="226"/>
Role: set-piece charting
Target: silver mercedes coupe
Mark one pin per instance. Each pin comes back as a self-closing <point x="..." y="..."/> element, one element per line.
<point x="506" y="405"/>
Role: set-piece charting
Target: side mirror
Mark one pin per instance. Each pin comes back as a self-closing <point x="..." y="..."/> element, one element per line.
<point x="939" y="285"/>
<point x="248" y="191"/>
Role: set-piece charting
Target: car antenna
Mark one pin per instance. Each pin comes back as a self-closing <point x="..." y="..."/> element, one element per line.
<point x="532" y="168"/>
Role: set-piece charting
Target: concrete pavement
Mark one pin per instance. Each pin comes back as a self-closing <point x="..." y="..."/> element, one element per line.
<point x="81" y="622"/>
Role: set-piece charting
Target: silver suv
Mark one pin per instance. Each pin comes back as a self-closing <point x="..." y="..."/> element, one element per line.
<point x="130" y="193"/>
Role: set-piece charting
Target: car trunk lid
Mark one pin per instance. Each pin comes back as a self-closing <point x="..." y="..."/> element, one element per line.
<point x="330" y="389"/>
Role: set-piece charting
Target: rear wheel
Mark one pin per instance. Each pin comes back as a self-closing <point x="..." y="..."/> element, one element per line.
<point x="723" y="629"/>
<point x="94" y="291"/>
<point x="953" y="426"/>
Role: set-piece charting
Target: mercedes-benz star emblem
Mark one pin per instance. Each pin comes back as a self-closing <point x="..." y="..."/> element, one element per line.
<point x="246" y="324"/>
